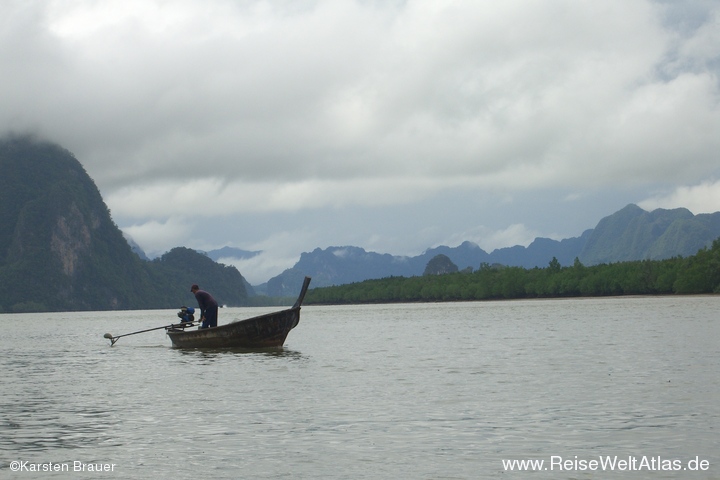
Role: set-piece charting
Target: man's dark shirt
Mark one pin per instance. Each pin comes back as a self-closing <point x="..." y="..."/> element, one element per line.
<point x="205" y="301"/>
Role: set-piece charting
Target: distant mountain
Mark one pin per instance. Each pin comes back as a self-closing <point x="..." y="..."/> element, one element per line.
<point x="440" y="265"/>
<point x="541" y="251"/>
<point x="183" y="267"/>
<point x="629" y="234"/>
<point x="135" y="247"/>
<point x="215" y="255"/>
<point x="335" y="266"/>
<point x="61" y="251"/>
<point x="635" y="234"/>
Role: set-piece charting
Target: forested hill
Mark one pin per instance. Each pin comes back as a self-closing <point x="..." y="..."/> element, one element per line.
<point x="61" y="251"/>
<point x="697" y="274"/>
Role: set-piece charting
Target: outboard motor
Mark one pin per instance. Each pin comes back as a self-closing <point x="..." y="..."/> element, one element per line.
<point x="186" y="314"/>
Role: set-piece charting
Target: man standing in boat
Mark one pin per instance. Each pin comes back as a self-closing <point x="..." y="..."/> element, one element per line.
<point x="208" y="307"/>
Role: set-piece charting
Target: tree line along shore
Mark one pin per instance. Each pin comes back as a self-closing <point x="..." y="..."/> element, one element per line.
<point x="697" y="274"/>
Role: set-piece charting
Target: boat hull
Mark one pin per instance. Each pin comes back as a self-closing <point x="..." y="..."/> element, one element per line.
<point x="264" y="331"/>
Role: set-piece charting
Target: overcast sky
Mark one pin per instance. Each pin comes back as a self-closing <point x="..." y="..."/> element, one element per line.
<point x="286" y="125"/>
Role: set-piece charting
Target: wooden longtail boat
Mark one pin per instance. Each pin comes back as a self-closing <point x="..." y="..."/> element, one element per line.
<point x="264" y="331"/>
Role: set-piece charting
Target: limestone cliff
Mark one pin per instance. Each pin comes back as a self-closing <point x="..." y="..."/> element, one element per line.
<point x="60" y="249"/>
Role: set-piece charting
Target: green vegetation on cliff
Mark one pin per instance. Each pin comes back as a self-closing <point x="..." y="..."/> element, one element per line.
<point x="697" y="274"/>
<point x="61" y="251"/>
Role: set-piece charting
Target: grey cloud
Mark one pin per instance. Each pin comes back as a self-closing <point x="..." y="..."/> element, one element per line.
<point x="460" y="100"/>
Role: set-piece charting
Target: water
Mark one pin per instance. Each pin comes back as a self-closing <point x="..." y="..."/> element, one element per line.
<point x="422" y="391"/>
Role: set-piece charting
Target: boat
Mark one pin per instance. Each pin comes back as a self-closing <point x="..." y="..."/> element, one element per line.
<point x="264" y="331"/>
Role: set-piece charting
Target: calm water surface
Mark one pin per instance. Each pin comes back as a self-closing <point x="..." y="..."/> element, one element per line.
<point x="428" y="391"/>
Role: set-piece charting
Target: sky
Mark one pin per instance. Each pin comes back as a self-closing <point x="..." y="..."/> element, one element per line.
<point x="283" y="126"/>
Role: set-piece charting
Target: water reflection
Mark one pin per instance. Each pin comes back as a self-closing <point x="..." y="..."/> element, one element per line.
<point x="212" y="353"/>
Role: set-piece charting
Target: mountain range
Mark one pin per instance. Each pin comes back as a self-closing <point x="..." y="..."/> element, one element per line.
<point x="60" y="249"/>
<point x="628" y="234"/>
